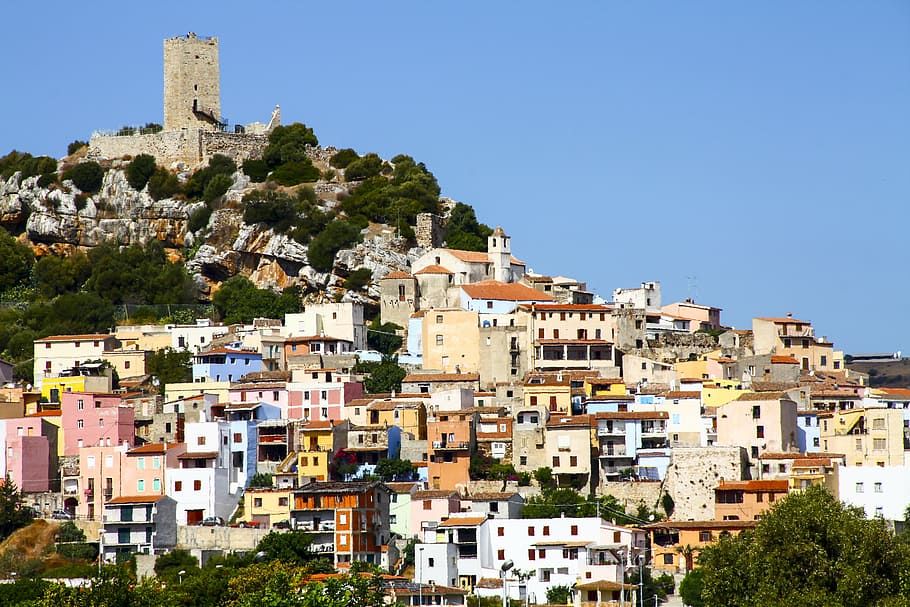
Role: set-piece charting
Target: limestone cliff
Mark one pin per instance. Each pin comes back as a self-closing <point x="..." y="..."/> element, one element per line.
<point x="58" y="220"/>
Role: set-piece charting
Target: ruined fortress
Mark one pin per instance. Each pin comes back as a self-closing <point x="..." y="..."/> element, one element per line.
<point x="194" y="128"/>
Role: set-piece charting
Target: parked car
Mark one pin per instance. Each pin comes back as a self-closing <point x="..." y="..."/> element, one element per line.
<point x="285" y="524"/>
<point x="61" y="515"/>
<point x="247" y="524"/>
<point x="212" y="521"/>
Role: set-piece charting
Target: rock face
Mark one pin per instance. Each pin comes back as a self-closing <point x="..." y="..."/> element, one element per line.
<point x="59" y="220"/>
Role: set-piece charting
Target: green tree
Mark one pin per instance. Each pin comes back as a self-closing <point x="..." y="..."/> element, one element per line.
<point x="87" y="176"/>
<point x="240" y="301"/>
<point x="845" y="560"/>
<point x="164" y="184"/>
<point x="70" y="314"/>
<point x="383" y="337"/>
<point x="294" y="547"/>
<point x="256" y="169"/>
<point x="358" y="279"/>
<point x="261" y="479"/>
<point x="168" y="566"/>
<point x="325" y="245"/>
<point x="139" y="171"/>
<point x="12" y="514"/>
<point x="15" y="261"/>
<point x="71" y="543"/>
<point x="219" y="164"/>
<point x="58" y="275"/>
<point x="342" y="158"/>
<point x="295" y="172"/>
<point x="288" y="144"/>
<point x="384" y="376"/>
<point x="217" y="186"/>
<point x="138" y="275"/>
<point x="75" y="146"/>
<point x="558" y="595"/>
<point x="394" y="469"/>
<point x="369" y="165"/>
<point x="170" y="366"/>
<point x="464" y="232"/>
<point x="690" y="589"/>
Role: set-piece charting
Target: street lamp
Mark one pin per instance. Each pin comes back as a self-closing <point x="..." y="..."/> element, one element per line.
<point x="180" y="575"/>
<point x="419" y="577"/>
<point x="641" y="580"/>
<point x="502" y="572"/>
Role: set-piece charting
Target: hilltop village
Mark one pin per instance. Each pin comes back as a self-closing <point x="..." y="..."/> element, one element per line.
<point x="472" y="428"/>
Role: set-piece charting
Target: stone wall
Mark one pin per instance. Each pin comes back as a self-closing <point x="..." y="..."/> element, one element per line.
<point x="429" y="231"/>
<point x="239" y="146"/>
<point x="632" y="494"/>
<point x="191" y="146"/>
<point x="191" y="80"/>
<point x="695" y="472"/>
<point x="228" y="539"/>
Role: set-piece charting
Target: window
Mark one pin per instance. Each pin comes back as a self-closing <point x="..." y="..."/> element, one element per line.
<point x="523" y="460"/>
<point x="756" y="411"/>
<point x="140" y="485"/>
<point x="532" y="554"/>
<point x="80" y="404"/>
<point x="178" y="486"/>
<point x="530" y="531"/>
<point x="879" y="444"/>
<point x="704" y="536"/>
<point x="823" y="361"/>
<point x="815" y="442"/>
<point x="140" y="463"/>
<point x="238" y="438"/>
<point x="283" y="502"/>
<point x="500" y="531"/>
<point x="197" y="485"/>
<point x="427" y="504"/>
<point x="393" y="518"/>
<point x="200" y="440"/>
<point x="754" y="451"/>
<point x="156" y="484"/>
<point x="546" y="530"/>
<point x="668" y="558"/>
<point x="489" y="305"/>
<point x="541" y="553"/>
<point x="859" y="444"/>
<point x="859" y="487"/>
<point x="782" y="468"/>
<point x="878" y="423"/>
<point x="501" y="554"/>
<point x="556" y="461"/>
<point x="573" y="461"/>
<point x="494" y="506"/>
<point x="100" y="423"/>
<point x="533" y="401"/>
<point x="574" y="530"/>
<point x="439" y="340"/>
<point x="90" y="461"/>
<point x="759" y="432"/>
<point x="570" y="554"/>
<point x="80" y="423"/>
<point x="257" y="502"/>
<point x="877" y="487"/>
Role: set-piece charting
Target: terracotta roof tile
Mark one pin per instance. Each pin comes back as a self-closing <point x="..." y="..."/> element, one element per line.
<point x="84" y="337"/>
<point x="682" y="394"/>
<point x="136" y="499"/>
<point x="397" y="274"/>
<point x="781" y="486"/>
<point x="784" y="360"/>
<point x="463" y="521"/>
<point x="433" y="269"/>
<point x="504" y="291"/>
<point x="632" y="415"/>
<point x="431" y="494"/>
<point x="440" y="377"/>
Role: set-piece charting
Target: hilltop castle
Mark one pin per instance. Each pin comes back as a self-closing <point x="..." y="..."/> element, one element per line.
<point x="194" y="128"/>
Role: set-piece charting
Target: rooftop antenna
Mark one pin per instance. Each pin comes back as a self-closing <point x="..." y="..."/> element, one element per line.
<point x="692" y="288"/>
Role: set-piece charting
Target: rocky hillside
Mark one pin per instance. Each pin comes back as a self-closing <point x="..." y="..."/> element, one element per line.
<point x="57" y="219"/>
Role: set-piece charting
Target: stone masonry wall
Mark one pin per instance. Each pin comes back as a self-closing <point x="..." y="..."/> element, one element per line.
<point x="695" y="472"/>
<point x="429" y="230"/>
<point x="191" y="146"/>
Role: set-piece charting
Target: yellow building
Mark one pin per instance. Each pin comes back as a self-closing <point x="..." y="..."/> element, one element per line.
<point x="451" y="341"/>
<point x="675" y="545"/>
<point x="552" y="391"/>
<point x="53" y="387"/>
<point x="186" y="390"/>
<point x="791" y="337"/>
<point x="867" y="437"/>
<point x="597" y="387"/>
<point x="721" y="391"/>
<point x="316" y="443"/>
<point x="266" y="506"/>
<point x="409" y="415"/>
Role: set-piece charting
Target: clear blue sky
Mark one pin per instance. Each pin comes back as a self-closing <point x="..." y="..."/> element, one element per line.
<point x="760" y="147"/>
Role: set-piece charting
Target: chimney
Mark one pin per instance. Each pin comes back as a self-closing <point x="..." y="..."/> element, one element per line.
<point x="789" y="314"/>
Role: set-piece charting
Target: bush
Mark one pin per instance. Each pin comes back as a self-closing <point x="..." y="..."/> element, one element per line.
<point x="257" y="170"/>
<point x="199" y="218"/>
<point x="358" y="279"/>
<point x="75" y="147"/>
<point x="217" y="186"/>
<point x="336" y="236"/>
<point x="288" y="144"/>
<point x="363" y="168"/>
<point x="219" y="164"/>
<point x="342" y="158"/>
<point x="47" y="179"/>
<point x="87" y="176"/>
<point x="163" y="184"/>
<point x="273" y="208"/>
<point x="295" y="172"/>
<point x="140" y="170"/>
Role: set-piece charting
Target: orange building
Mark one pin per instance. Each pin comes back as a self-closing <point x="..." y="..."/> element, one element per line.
<point x="675" y="545"/>
<point x="348" y="520"/>
<point x="450" y="442"/>
<point x="747" y="500"/>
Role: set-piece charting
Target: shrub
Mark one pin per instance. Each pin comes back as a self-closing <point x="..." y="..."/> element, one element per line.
<point x="295" y="172"/>
<point x="217" y="186"/>
<point x="363" y="168"/>
<point x="342" y="158"/>
<point x="87" y="176"/>
<point x="358" y="279"/>
<point x="126" y="131"/>
<point x="336" y="236"/>
<point x="273" y="208"/>
<point x="199" y="218"/>
<point x="218" y="165"/>
<point x="75" y="147"/>
<point x="47" y="179"/>
<point x="288" y="144"/>
<point x="257" y="170"/>
<point x="150" y="127"/>
<point x="140" y="170"/>
<point x="163" y="184"/>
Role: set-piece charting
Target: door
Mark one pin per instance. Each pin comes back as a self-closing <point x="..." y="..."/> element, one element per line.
<point x="194" y="517"/>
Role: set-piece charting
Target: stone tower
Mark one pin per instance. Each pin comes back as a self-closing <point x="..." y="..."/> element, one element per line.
<point x="192" y="89"/>
<point x="499" y="250"/>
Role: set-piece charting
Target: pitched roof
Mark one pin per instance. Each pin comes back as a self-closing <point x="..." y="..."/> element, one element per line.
<point x="136" y="499"/>
<point x="440" y="377"/>
<point x="780" y="486"/>
<point x="702" y="525"/>
<point x="432" y="494"/>
<point x="199" y="455"/>
<point x="783" y="360"/>
<point x="682" y="394"/>
<point x="463" y="521"/>
<point x="564" y="307"/>
<point x="397" y="274"/>
<point x="495" y="495"/>
<point x="84" y="337"/>
<point x="786" y="320"/>
<point x="152" y="448"/>
<point x="632" y="415"/>
<point x="569" y="421"/>
<point x="757" y="396"/>
<point x="433" y="269"/>
<point x="504" y="291"/>
<point x="402" y="487"/>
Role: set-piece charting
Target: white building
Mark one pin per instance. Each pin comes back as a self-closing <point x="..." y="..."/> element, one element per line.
<point x="201" y="485"/>
<point x="879" y="491"/>
<point x="339" y="320"/>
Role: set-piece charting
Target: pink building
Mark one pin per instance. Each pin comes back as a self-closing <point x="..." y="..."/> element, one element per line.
<point x="431" y="506"/>
<point x="93" y="419"/>
<point x="29" y="444"/>
<point x="320" y="394"/>
<point x="109" y="472"/>
<point x="269" y="392"/>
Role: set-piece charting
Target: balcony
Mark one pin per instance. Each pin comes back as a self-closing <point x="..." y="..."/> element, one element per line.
<point x="451" y="446"/>
<point x="272" y="439"/>
<point x="615" y="452"/>
<point x="610" y="431"/>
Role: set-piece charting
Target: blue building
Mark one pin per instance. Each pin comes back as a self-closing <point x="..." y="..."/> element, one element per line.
<point x="225" y="364"/>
